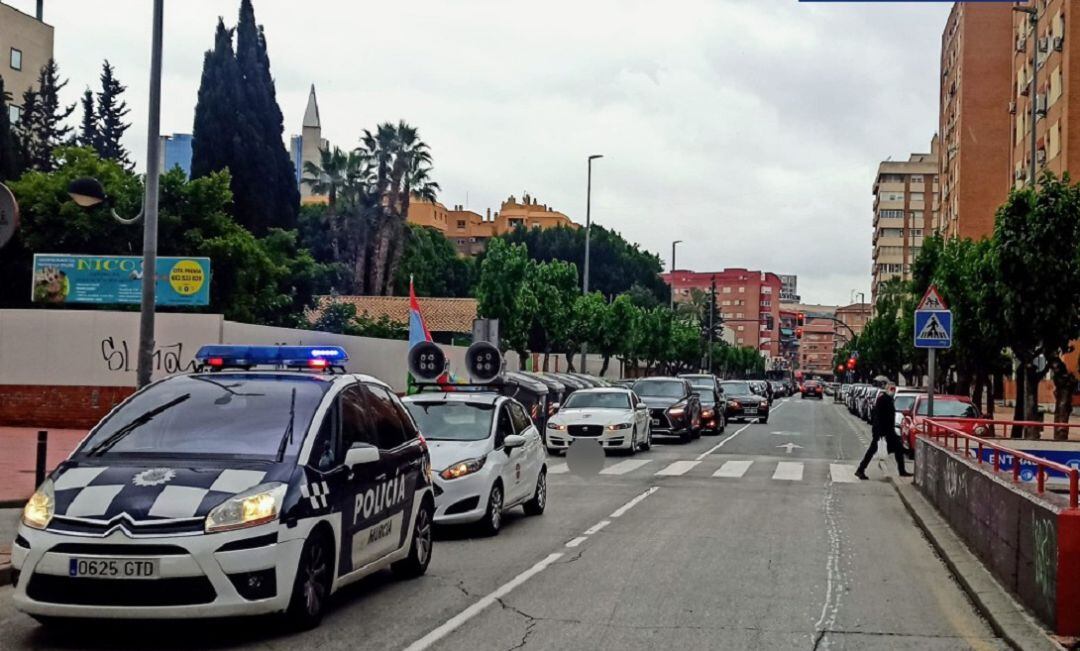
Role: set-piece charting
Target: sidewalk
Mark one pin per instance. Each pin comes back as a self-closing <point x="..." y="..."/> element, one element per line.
<point x="18" y="451"/>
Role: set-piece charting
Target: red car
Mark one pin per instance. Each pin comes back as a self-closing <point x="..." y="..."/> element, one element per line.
<point x="944" y="407"/>
<point x="812" y="389"/>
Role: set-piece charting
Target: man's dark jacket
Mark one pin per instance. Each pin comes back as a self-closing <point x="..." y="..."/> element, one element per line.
<point x="883" y="416"/>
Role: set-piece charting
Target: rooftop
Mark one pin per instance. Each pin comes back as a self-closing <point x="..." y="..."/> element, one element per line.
<point x="440" y="314"/>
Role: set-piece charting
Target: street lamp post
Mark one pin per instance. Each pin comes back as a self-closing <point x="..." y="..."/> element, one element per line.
<point x="88" y="192"/>
<point x="673" y="272"/>
<point x="588" y="231"/>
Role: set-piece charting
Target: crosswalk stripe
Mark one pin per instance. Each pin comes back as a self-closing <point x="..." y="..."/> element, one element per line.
<point x="842" y="473"/>
<point x="558" y="469"/>
<point x="789" y="470"/>
<point x="624" y="467"/>
<point x="733" y="468"/>
<point x="677" y="468"/>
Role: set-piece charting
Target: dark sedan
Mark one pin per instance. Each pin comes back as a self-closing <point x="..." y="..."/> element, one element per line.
<point x="743" y="403"/>
<point x="674" y="408"/>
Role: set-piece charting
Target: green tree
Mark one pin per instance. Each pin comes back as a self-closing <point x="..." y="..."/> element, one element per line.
<point x="617" y="331"/>
<point x="504" y="292"/>
<point x="1038" y="265"/>
<point x="111" y="112"/>
<point x="434" y="265"/>
<point x="555" y="287"/>
<point x="88" y="129"/>
<point x="586" y="320"/>
<point x="43" y="128"/>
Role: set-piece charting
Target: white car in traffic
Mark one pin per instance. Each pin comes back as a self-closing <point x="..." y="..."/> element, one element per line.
<point x="613" y="417"/>
<point x="486" y="453"/>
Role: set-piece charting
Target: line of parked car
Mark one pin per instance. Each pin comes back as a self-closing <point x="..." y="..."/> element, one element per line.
<point x="912" y="409"/>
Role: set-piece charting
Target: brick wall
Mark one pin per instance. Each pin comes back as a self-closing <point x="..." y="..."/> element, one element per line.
<point x="76" y="407"/>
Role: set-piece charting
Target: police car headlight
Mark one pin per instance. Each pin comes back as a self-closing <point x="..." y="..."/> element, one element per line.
<point x="618" y="426"/>
<point x="462" y="468"/>
<point x="251" y="508"/>
<point x="556" y="426"/>
<point x="39" y="509"/>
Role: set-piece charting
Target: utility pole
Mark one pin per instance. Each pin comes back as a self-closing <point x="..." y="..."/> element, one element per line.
<point x="712" y="319"/>
<point x="673" y="273"/>
<point x="588" y="231"/>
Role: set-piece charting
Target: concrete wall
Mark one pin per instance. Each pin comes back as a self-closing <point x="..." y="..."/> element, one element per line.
<point x="1027" y="542"/>
<point x="67" y="368"/>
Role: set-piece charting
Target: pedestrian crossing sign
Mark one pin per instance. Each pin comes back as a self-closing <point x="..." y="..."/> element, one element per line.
<point x="933" y="329"/>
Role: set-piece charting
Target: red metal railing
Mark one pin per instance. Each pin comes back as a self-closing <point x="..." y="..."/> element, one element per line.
<point x="945" y="429"/>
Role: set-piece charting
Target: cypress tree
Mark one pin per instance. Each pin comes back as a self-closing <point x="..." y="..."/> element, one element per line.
<point x="88" y="129"/>
<point x="214" y="130"/>
<point x="10" y="167"/>
<point x="43" y="123"/>
<point x="111" y="110"/>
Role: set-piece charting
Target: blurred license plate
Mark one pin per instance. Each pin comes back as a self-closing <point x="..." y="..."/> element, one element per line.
<point x="751" y="410"/>
<point x="113" y="568"/>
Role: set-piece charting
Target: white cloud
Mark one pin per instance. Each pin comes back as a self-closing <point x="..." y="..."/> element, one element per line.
<point x="751" y="129"/>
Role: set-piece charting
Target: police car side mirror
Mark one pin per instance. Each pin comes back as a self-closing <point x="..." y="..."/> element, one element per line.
<point x="361" y="454"/>
<point x="513" y="441"/>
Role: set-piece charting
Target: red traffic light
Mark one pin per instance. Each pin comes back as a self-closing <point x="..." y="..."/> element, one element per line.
<point x="798" y="333"/>
<point x="851" y="363"/>
<point x="840" y="369"/>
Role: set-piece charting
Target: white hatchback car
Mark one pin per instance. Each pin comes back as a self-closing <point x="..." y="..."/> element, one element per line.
<point x="613" y="417"/>
<point x="487" y="456"/>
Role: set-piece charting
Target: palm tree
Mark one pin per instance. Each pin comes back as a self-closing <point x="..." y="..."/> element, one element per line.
<point x="328" y="176"/>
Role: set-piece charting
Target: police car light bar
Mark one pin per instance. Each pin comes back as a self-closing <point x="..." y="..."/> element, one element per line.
<point x="218" y="356"/>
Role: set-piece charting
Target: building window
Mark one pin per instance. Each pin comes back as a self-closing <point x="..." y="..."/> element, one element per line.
<point x="766" y="290"/>
<point x="916" y="178"/>
<point x="726" y="290"/>
<point x="16" y="59"/>
<point x="917" y="196"/>
<point x="14" y="114"/>
<point x="461" y="224"/>
<point x="742" y="290"/>
<point x="461" y="241"/>
<point x="891" y="196"/>
<point x="741" y="328"/>
<point x="891" y="214"/>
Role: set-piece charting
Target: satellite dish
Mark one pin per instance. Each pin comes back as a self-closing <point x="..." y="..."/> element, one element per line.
<point x="483" y="362"/>
<point x="426" y="361"/>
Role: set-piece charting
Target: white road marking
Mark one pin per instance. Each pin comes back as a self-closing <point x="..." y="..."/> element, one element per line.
<point x="789" y="471"/>
<point x="624" y="467"/>
<point x="597" y="527"/>
<point x="632" y="503"/>
<point x="475" y="609"/>
<point x="558" y="469"/>
<point x="733" y="468"/>
<point x="677" y="468"/>
<point x="842" y="473"/>
<point x="576" y="541"/>
<point x="721" y="443"/>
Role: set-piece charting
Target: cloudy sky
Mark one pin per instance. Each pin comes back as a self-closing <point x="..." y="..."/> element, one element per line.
<point x="750" y="129"/>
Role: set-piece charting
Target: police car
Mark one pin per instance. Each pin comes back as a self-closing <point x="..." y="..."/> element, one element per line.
<point x="231" y="491"/>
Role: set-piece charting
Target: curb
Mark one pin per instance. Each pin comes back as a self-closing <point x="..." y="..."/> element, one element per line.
<point x="13" y="504"/>
<point x="1006" y="617"/>
<point x="5" y="567"/>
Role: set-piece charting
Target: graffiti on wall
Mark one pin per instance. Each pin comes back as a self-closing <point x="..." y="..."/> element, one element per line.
<point x="121" y="357"/>
<point x="1045" y="558"/>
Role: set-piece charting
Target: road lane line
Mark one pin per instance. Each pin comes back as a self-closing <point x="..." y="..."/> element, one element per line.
<point x="677" y="468"/>
<point x="576" y="541"/>
<point x="842" y="473"/>
<point x="632" y="503"/>
<point x="559" y="469"/>
<point x="472" y="611"/>
<point x="721" y="443"/>
<point x="733" y="468"/>
<point x="624" y="467"/>
<point x="597" y="527"/>
<point x="789" y="471"/>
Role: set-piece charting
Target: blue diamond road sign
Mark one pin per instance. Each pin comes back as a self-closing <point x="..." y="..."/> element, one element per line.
<point x="933" y="329"/>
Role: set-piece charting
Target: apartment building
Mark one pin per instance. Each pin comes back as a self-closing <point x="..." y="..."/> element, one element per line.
<point x="817" y="347"/>
<point x="905" y="203"/>
<point x="789" y="289"/>
<point x="853" y="316"/>
<point x="1056" y="65"/>
<point x="470" y="232"/>
<point x="26" y="44"/>
<point x="748" y="301"/>
<point x="976" y="63"/>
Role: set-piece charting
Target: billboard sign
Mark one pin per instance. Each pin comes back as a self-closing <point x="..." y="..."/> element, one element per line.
<point x="117" y="279"/>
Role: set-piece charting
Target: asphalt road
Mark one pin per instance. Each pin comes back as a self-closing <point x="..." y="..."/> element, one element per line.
<point x="783" y="550"/>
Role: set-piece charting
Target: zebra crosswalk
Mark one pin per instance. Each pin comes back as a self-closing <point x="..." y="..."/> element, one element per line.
<point x="786" y="471"/>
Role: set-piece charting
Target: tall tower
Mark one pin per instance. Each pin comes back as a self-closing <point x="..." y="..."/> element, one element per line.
<point x="305" y="147"/>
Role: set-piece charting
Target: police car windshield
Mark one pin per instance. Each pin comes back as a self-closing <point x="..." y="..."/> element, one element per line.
<point x="602" y="400"/>
<point x="659" y="388"/>
<point x="211" y="416"/>
<point x="452" y="420"/>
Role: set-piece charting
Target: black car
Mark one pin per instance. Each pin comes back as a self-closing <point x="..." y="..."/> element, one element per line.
<point x="743" y="403"/>
<point x="674" y="408"/>
<point x="779" y="388"/>
<point x="711" y="394"/>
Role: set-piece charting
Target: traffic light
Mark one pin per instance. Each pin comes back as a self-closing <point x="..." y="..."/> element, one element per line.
<point x="798" y="333"/>
<point x="851" y="364"/>
<point x="800" y="320"/>
<point x="840" y="369"/>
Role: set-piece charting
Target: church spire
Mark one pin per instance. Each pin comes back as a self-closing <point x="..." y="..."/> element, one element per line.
<point x="311" y="113"/>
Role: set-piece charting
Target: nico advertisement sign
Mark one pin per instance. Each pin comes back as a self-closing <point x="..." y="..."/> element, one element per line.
<point x="117" y="279"/>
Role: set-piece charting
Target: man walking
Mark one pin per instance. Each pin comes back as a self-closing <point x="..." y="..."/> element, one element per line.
<point x="882" y="424"/>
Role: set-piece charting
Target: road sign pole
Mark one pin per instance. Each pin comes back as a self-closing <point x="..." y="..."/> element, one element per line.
<point x="930" y="355"/>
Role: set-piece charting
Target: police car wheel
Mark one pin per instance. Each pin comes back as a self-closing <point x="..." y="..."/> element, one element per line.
<point x="536" y="505"/>
<point x="492" y="522"/>
<point x="311" y="589"/>
<point x="416" y="563"/>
